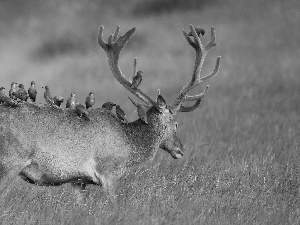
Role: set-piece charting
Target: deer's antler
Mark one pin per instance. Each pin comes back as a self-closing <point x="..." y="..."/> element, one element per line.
<point x="113" y="48"/>
<point x="196" y="80"/>
<point x="116" y="44"/>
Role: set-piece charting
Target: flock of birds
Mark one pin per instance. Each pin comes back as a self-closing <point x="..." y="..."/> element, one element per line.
<point x="18" y="94"/>
<point x="21" y="95"/>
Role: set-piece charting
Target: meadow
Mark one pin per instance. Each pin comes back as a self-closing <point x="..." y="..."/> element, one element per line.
<point x="241" y="164"/>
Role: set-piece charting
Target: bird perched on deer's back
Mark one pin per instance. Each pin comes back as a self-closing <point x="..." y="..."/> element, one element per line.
<point x="48" y="96"/>
<point x="7" y="100"/>
<point x="58" y="100"/>
<point x="71" y="101"/>
<point x="21" y="93"/>
<point x="81" y="111"/>
<point x="108" y="106"/>
<point x="32" y="91"/>
<point x="90" y="100"/>
<point x="198" y="31"/>
<point x="121" y="114"/>
<point x="137" y="79"/>
<point x="13" y="89"/>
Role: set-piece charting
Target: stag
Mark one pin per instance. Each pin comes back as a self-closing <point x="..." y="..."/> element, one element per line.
<point x="51" y="146"/>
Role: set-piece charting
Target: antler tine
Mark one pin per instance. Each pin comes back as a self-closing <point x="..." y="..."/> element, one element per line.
<point x="189" y="40"/>
<point x="134" y="66"/>
<point x="116" y="34"/>
<point x="196" y="97"/>
<point x="134" y="69"/>
<point x="113" y="48"/>
<point x="214" y="72"/>
<point x="158" y="92"/>
<point x="190" y="108"/>
<point x="113" y="40"/>
<point x="101" y="42"/>
<point x="196" y="78"/>
<point x="110" y="39"/>
<point x="196" y="38"/>
<point x="212" y="42"/>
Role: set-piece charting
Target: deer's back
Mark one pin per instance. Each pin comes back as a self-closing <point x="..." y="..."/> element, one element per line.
<point x="59" y="137"/>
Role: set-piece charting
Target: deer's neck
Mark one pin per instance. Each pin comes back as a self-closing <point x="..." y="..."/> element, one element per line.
<point x="144" y="140"/>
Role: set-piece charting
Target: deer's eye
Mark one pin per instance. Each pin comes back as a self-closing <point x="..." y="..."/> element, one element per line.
<point x="176" y="125"/>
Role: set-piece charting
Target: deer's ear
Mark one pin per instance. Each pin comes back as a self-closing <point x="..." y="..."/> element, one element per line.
<point x="161" y="104"/>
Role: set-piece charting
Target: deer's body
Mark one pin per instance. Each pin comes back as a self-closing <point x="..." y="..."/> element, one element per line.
<point x="63" y="148"/>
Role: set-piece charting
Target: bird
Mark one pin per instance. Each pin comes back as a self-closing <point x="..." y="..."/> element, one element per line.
<point x="141" y="109"/>
<point x="108" y="106"/>
<point x="90" y="100"/>
<point x="48" y="96"/>
<point x="32" y="91"/>
<point x="13" y="89"/>
<point x="7" y="100"/>
<point x="198" y="31"/>
<point x="81" y="111"/>
<point x="121" y="114"/>
<point x="137" y="79"/>
<point x="21" y="93"/>
<point x="58" y="100"/>
<point x="71" y="101"/>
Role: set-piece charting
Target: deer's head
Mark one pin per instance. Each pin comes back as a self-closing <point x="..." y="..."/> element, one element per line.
<point x="156" y="113"/>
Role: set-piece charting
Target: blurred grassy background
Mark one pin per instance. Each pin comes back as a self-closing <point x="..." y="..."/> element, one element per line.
<point x="248" y="122"/>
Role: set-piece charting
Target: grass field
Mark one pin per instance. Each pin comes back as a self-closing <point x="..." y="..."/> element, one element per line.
<point x="242" y="158"/>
